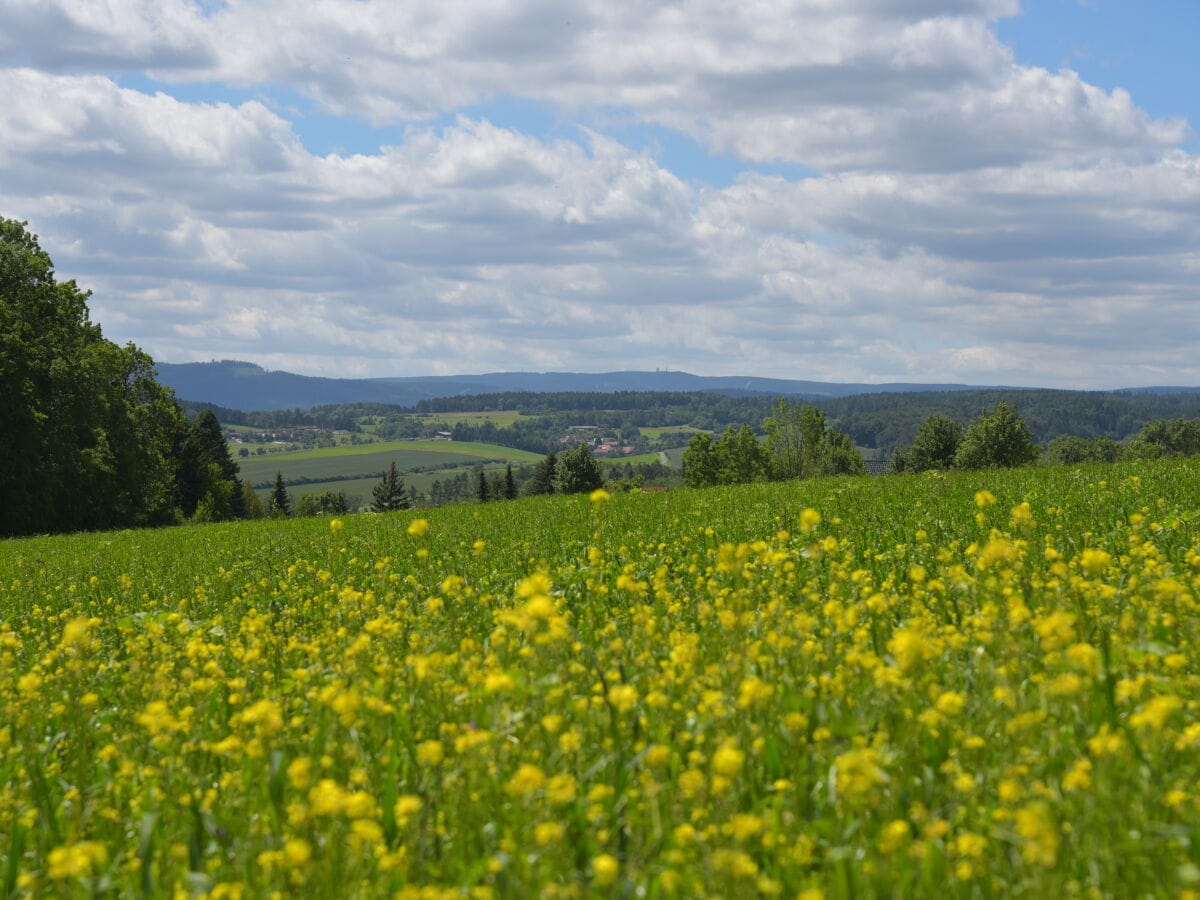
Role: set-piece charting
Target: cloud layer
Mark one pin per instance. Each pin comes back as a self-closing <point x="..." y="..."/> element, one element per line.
<point x="967" y="217"/>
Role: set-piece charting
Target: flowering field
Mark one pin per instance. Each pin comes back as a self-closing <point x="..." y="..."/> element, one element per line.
<point x="979" y="685"/>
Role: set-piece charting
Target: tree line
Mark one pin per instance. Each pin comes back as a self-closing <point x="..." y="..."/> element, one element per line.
<point x="1000" y="438"/>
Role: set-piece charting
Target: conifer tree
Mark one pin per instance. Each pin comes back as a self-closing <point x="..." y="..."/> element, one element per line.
<point x="482" y="490"/>
<point x="280" y="502"/>
<point x="389" y="495"/>
<point x="510" y="486"/>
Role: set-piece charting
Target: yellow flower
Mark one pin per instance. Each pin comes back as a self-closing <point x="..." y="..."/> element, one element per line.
<point x="728" y="760"/>
<point x="430" y="753"/>
<point x="858" y="772"/>
<point x="297" y="851"/>
<point x="335" y="525"/>
<point x="809" y="519"/>
<point x="418" y="527"/>
<point x="527" y="779"/>
<point x="1093" y="562"/>
<point x="545" y="833"/>
<point x="895" y="835"/>
<point x="984" y="499"/>
<point x="951" y="703"/>
<point x="598" y="496"/>
<point x="623" y="697"/>
<point x="1154" y="713"/>
<point x="76" y="860"/>
<point x="605" y="869"/>
<point x="405" y="807"/>
<point x="1041" y="839"/>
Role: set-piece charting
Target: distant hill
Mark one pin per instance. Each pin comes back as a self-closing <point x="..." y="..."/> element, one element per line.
<point x="243" y="385"/>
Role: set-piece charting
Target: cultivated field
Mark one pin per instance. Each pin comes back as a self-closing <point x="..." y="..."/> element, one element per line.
<point x="368" y="459"/>
<point x="980" y="685"/>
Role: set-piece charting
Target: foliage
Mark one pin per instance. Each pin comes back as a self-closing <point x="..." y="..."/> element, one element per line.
<point x="86" y="433"/>
<point x="207" y="475"/>
<point x="576" y="471"/>
<point x="1067" y="449"/>
<point x="963" y="685"/>
<point x="280" y="504"/>
<point x="1173" y="437"/>
<point x="934" y="447"/>
<point x="325" y="503"/>
<point x="389" y="495"/>
<point x="701" y="462"/>
<point x="799" y="444"/>
<point x="998" y="439"/>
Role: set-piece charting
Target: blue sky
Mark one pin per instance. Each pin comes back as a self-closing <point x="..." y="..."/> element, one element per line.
<point x="870" y="191"/>
<point x="1147" y="48"/>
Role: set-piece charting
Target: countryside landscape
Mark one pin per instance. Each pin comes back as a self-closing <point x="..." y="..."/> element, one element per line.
<point x="586" y="451"/>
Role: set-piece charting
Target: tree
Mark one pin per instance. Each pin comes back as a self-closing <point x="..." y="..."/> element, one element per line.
<point x="510" y="485"/>
<point x="740" y="456"/>
<point x="701" y="466"/>
<point x="996" y="440"/>
<point x="206" y="468"/>
<point x="325" y="503"/>
<point x="1166" y="437"/>
<point x="87" y="434"/>
<point x="785" y="449"/>
<point x="389" y="495"/>
<point x="542" y="480"/>
<point x="577" y="471"/>
<point x="280" y="504"/>
<point x="483" y="492"/>
<point x="252" y="503"/>
<point x="934" y="446"/>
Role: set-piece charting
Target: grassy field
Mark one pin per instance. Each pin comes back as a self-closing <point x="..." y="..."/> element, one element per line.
<point x="976" y="685"/>
<point x="659" y="431"/>
<point x="366" y="459"/>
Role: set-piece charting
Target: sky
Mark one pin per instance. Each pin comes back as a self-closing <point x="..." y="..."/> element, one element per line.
<point x="979" y="191"/>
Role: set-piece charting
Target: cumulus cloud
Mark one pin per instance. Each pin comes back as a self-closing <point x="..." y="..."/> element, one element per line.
<point x="969" y="217"/>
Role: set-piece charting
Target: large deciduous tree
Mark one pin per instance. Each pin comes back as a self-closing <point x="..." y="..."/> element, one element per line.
<point x="577" y="471"/>
<point x="998" y="439"/>
<point x="934" y="446"/>
<point x="87" y="435"/>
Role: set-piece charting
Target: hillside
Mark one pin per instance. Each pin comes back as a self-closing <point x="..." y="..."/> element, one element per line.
<point x="242" y="385"/>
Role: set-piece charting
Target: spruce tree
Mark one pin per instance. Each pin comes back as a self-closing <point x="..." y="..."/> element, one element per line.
<point x="389" y="495"/>
<point x="280" y="502"/>
<point x="510" y="486"/>
<point x="483" y="492"/>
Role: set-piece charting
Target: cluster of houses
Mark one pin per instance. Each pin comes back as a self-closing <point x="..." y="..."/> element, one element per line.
<point x="593" y="436"/>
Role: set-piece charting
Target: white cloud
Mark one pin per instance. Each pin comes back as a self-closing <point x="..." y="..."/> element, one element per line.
<point x="969" y="215"/>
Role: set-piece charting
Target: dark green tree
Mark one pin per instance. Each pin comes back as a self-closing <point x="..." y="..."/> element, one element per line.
<point x="483" y="491"/>
<point x="998" y="439"/>
<point x="510" y="484"/>
<point x="542" y="479"/>
<point x="324" y="503"/>
<point x="86" y="432"/>
<point x="389" y="495"/>
<point x="934" y="445"/>
<point x="281" y="503"/>
<point x="577" y="471"/>
<point x="206" y="467"/>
